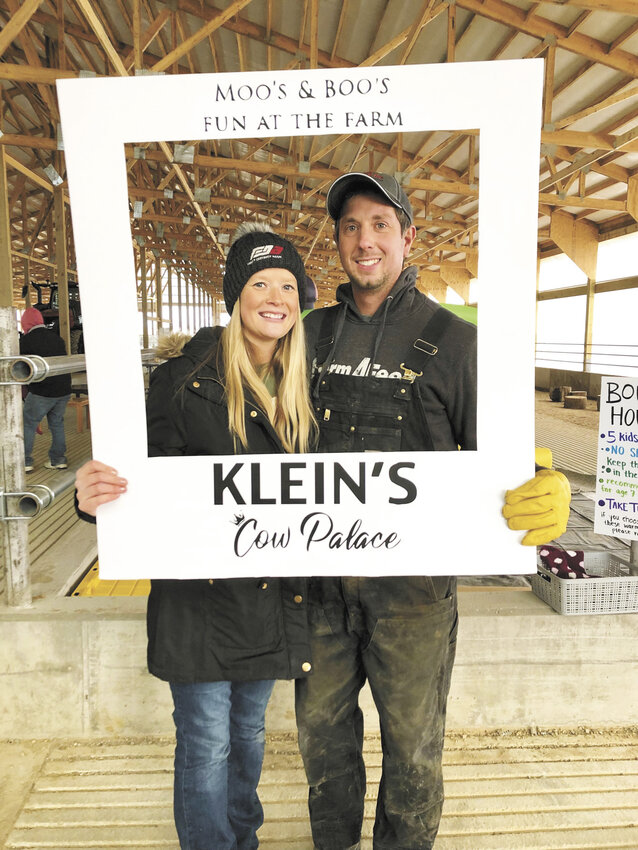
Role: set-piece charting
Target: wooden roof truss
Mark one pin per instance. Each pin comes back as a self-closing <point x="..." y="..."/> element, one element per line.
<point x="184" y="208"/>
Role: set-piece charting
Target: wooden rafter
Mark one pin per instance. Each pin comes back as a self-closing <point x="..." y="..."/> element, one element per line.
<point x="421" y="20"/>
<point x="18" y="21"/>
<point x="98" y="28"/>
<point x="387" y="48"/>
<point x="314" y="33"/>
<point x="214" y="24"/>
<point x="589" y="143"/>
<point x="505" y="13"/>
<point x="145" y="39"/>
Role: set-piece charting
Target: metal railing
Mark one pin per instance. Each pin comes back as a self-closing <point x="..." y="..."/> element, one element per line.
<point x="32" y="368"/>
<point x="32" y="501"/>
<point x="620" y="359"/>
<point x="19" y="502"/>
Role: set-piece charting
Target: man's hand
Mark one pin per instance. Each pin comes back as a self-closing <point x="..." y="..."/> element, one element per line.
<point x="540" y="507"/>
<point x="96" y="484"/>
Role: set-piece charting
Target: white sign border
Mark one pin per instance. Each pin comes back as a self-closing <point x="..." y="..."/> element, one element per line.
<point x="166" y="525"/>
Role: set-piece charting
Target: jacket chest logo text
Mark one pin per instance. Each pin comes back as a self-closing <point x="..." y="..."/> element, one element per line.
<point x="362" y="370"/>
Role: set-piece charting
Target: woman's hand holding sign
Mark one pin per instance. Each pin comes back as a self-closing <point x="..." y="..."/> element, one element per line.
<point x="96" y="484"/>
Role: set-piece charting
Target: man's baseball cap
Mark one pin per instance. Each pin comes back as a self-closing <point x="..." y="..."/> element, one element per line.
<point x="384" y="183"/>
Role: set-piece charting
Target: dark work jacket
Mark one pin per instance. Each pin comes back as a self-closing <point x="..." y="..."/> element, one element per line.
<point x="362" y="376"/>
<point x="223" y="629"/>
<point x="46" y="343"/>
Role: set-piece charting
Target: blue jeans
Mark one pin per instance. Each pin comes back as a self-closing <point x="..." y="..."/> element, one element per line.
<point x="36" y="407"/>
<point x="220" y="749"/>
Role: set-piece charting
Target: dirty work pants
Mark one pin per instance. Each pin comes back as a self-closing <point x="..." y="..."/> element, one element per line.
<point x="400" y="634"/>
<point x="218" y="757"/>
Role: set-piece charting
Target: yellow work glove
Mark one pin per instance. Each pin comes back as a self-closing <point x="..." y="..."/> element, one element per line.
<point x="540" y="507"/>
<point x="543" y="457"/>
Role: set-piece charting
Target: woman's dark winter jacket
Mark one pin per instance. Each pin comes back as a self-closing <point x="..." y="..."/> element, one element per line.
<point x="217" y="629"/>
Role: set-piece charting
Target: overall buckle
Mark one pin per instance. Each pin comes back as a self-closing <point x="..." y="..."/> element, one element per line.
<point x="409" y="374"/>
<point x="427" y="348"/>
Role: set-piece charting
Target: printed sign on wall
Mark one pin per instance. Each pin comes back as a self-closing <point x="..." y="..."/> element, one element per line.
<point x="617" y="471"/>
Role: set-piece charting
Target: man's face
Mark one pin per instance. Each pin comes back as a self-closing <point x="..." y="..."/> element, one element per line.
<point x="371" y="245"/>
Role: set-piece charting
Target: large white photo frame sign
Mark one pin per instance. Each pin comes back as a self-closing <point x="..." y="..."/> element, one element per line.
<point x="409" y="513"/>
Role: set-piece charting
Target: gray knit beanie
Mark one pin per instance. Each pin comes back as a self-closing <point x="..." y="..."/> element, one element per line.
<point x="256" y="247"/>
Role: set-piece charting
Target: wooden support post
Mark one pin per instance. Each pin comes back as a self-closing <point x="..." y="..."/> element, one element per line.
<point x="158" y="294"/>
<point x="6" y="269"/>
<point x="194" y="298"/>
<point x="589" y="324"/>
<point x="538" y="285"/>
<point x="61" y="266"/>
<point x="180" y="324"/>
<point x="451" y="32"/>
<point x="169" y="286"/>
<point x="632" y="196"/>
<point x="61" y="43"/>
<point x="15" y="534"/>
<point x="548" y="88"/>
<point x="144" y="297"/>
<point x="27" y="282"/>
<point x="137" y="34"/>
<point x="187" y="284"/>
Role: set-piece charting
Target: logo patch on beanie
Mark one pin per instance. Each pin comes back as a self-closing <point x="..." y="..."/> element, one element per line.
<point x="263" y="251"/>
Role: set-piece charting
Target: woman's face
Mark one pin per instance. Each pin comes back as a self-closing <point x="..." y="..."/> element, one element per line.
<point x="269" y="306"/>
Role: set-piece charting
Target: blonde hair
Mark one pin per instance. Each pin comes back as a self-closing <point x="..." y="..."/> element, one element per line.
<point x="292" y="416"/>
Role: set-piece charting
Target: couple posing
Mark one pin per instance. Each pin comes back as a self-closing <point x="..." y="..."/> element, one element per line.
<point x="222" y="643"/>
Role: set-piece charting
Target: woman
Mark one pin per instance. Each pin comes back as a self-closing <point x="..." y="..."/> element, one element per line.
<point x="221" y="643"/>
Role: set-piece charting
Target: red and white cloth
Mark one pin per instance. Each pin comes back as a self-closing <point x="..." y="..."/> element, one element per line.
<point x="565" y="563"/>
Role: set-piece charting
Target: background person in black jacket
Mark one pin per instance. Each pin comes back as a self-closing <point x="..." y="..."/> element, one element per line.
<point x="221" y="643"/>
<point x="46" y="398"/>
<point x="399" y="633"/>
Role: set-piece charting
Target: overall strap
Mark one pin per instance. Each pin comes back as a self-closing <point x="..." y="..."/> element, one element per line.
<point x="331" y="325"/>
<point x="326" y="335"/>
<point x="425" y="346"/>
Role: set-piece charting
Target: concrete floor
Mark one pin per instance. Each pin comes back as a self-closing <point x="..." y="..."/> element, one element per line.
<point x="557" y="790"/>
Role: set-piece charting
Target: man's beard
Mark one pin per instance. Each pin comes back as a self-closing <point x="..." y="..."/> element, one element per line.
<point x="369" y="285"/>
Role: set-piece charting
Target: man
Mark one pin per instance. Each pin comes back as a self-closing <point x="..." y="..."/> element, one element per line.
<point x="392" y="371"/>
<point x="48" y="397"/>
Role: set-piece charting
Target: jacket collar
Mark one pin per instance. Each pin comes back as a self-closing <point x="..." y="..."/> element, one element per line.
<point x="205" y="343"/>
